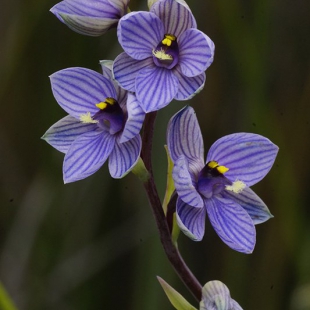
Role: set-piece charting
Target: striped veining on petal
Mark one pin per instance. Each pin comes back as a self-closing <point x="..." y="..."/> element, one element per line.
<point x="184" y="184"/>
<point x="248" y="200"/>
<point x="121" y="94"/>
<point x="191" y="220"/>
<point x="77" y="90"/>
<point x="213" y="288"/>
<point x="155" y="88"/>
<point x="249" y="157"/>
<point x="213" y="293"/>
<point x="139" y="33"/>
<point x="62" y="134"/>
<point x="196" y="52"/>
<point x="189" y="86"/>
<point x="171" y="13"/>
<point x="87" y="154"/>
<point x="98" y="8"/>
<point x="125" y="70"/>
<point x="121" y="5"/>
<point x="184" y="138"/>
<point x="90" y="26"/>
<point x="232" y="223"/>
<point x="135" y="119"/>
<point x="124" y="157"/>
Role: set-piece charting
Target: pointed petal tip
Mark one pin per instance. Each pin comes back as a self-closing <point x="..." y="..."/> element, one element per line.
<point x="246" y="250"/>
<point x="249" y="251"/>
<point x="68" y="180"/>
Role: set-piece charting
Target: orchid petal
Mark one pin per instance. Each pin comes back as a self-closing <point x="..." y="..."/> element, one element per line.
<point x="189" y="86"/>
<point x="91" y="18"/>
<point x="121" y="94"/>
<point x="65" y="131"/>
<point x="232" y="224"/>
<point x="249" y="157"/>
<point x="125" y="70"/>
<point x="89" y="26"/>
<point x="213" y="288"/>
<point x="184" y="138"/>
<point x="120" y="5"/>
<point x="252" y="204"/>
<point x="87" y="8"/>
<point x="135" y="119"/>
<point x="216" y="295"/>
<point x="191" y="220"/>
<point x="87" y="154"/>
<point x="234" y="305"/>
<point x="155" y="88"/>
<point x="124" y="157"/>
<point x="77" y="90"/>
<point x="196" y="52"/>
<point x="106" y="66"/>
<point x="219" y="302"/>
<point x="184" y="184"/>
<point x="175" y="16"/>
<point x="139" y="33"/>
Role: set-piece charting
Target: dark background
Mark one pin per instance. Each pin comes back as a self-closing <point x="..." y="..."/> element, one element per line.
<point x="93" y="244"/>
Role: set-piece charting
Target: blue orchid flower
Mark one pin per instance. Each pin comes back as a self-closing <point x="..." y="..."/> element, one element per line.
<point x="165" y="54"/>
<point x="218" y="188"/>
<point x="216" y="296"/>
<point x="90" y="17"/>
<point x="104" y="122"/>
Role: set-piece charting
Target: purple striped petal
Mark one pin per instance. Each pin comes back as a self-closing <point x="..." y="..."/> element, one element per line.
<point x="248" y="156"/>
<point x="135" y="119"/>
<point x="120" y="5"/>
<point x="91" y="18"/>
<point x="191" y="220"/>
<point x="121" y="93"/>
<point x="184" y="184"/>
<point x="252" y="204"/>
<point x="184" y="138"/>
<point x="155" y="88"/>
<point x="77" y="90"/>
<point x="232" y="224"/>
<point x="216" y="295"/>
<point x="214" y="288"/>
<point x="189" y="86"/>
<point x="87" y="8"/>
<point x="124" y="157"/>
<point x="196" y="52"/>
<point x="125" y="70"/>
<point x="218" y="302"/>
<point x="139" y="33"/>
<point x="175" y="16"/>
<point x="65" y="131"/>
<point x="87" y="154"/>
<point x="89" y="26"/>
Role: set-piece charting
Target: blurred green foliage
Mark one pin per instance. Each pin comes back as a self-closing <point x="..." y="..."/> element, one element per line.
<point x="93" y="244"/>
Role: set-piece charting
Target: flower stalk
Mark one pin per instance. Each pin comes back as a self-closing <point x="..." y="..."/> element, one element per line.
<point x="171" y="251"/>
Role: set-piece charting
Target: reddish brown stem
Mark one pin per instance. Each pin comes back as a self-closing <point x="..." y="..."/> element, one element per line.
<point x="171" y="251"/>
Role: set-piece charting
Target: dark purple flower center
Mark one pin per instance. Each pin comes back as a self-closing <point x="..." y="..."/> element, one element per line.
<point x="110" y="114"/>
<point x="211" y="179"/>
<point x="166" y="54"/>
